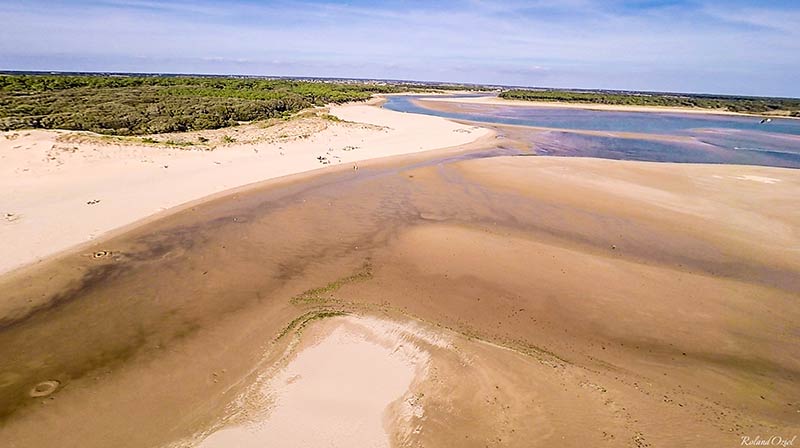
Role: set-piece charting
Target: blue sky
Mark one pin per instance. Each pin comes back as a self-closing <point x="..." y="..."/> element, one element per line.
<point x="735" y="46"/>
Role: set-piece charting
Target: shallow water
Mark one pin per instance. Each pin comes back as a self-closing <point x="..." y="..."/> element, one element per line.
<point x="699" y="138"/>
<point x="712" y="150"/>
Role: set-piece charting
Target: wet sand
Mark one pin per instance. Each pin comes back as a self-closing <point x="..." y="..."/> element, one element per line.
<point x="587" y="302"/>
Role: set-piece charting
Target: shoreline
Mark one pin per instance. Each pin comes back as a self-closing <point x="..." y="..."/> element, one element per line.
<point x="64" y="196"/>
<point x="496" y="101"/>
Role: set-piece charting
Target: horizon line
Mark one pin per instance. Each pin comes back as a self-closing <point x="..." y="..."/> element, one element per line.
<point x="410" y="81"/>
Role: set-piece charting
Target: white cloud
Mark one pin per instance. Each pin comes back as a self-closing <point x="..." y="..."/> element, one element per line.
<point x="574" y="42"/>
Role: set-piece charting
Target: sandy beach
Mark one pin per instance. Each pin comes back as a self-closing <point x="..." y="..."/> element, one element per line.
<point x="61" y="188"/>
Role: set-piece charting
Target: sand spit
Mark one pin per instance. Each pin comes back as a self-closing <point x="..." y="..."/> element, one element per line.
<point x="497" y="101"/>
<point x="59" y="189"/>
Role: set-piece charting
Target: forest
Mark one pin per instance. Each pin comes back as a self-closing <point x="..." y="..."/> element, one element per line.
<point x="140" y="105"/>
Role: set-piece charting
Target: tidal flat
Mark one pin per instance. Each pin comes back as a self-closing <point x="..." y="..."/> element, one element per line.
<point x="581" y="301"/>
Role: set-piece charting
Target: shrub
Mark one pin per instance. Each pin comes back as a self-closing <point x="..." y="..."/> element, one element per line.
<point x="151" y="104"/>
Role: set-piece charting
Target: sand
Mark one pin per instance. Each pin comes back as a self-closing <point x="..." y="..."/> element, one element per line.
<point x="59" y="189"/>
<point x="379" y="381"/>
<point x="538" y="301"/>
<point x="581" y="302"/>
<point x="341" y="386"/>
<point x="497" y="101"/>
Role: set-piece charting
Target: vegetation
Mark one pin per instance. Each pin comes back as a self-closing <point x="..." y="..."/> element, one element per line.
<point x="324" y="293"/>
<point x="751" y="105"/>
<point x="140" y="105"/>
<point x="300" y="322"/>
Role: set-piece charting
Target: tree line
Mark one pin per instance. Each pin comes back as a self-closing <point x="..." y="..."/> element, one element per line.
<point x="139" y="105"/>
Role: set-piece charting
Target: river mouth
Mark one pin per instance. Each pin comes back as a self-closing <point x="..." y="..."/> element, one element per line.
<point x="620" y="135"/>
<point x="615" y="277"/>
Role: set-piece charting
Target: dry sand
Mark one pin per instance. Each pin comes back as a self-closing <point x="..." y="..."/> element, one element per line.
<point x="335" y="392"/>
<point x="59" y="189"/>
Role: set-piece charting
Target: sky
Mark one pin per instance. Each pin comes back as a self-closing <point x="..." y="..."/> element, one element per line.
<point x="709" y="46"/>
